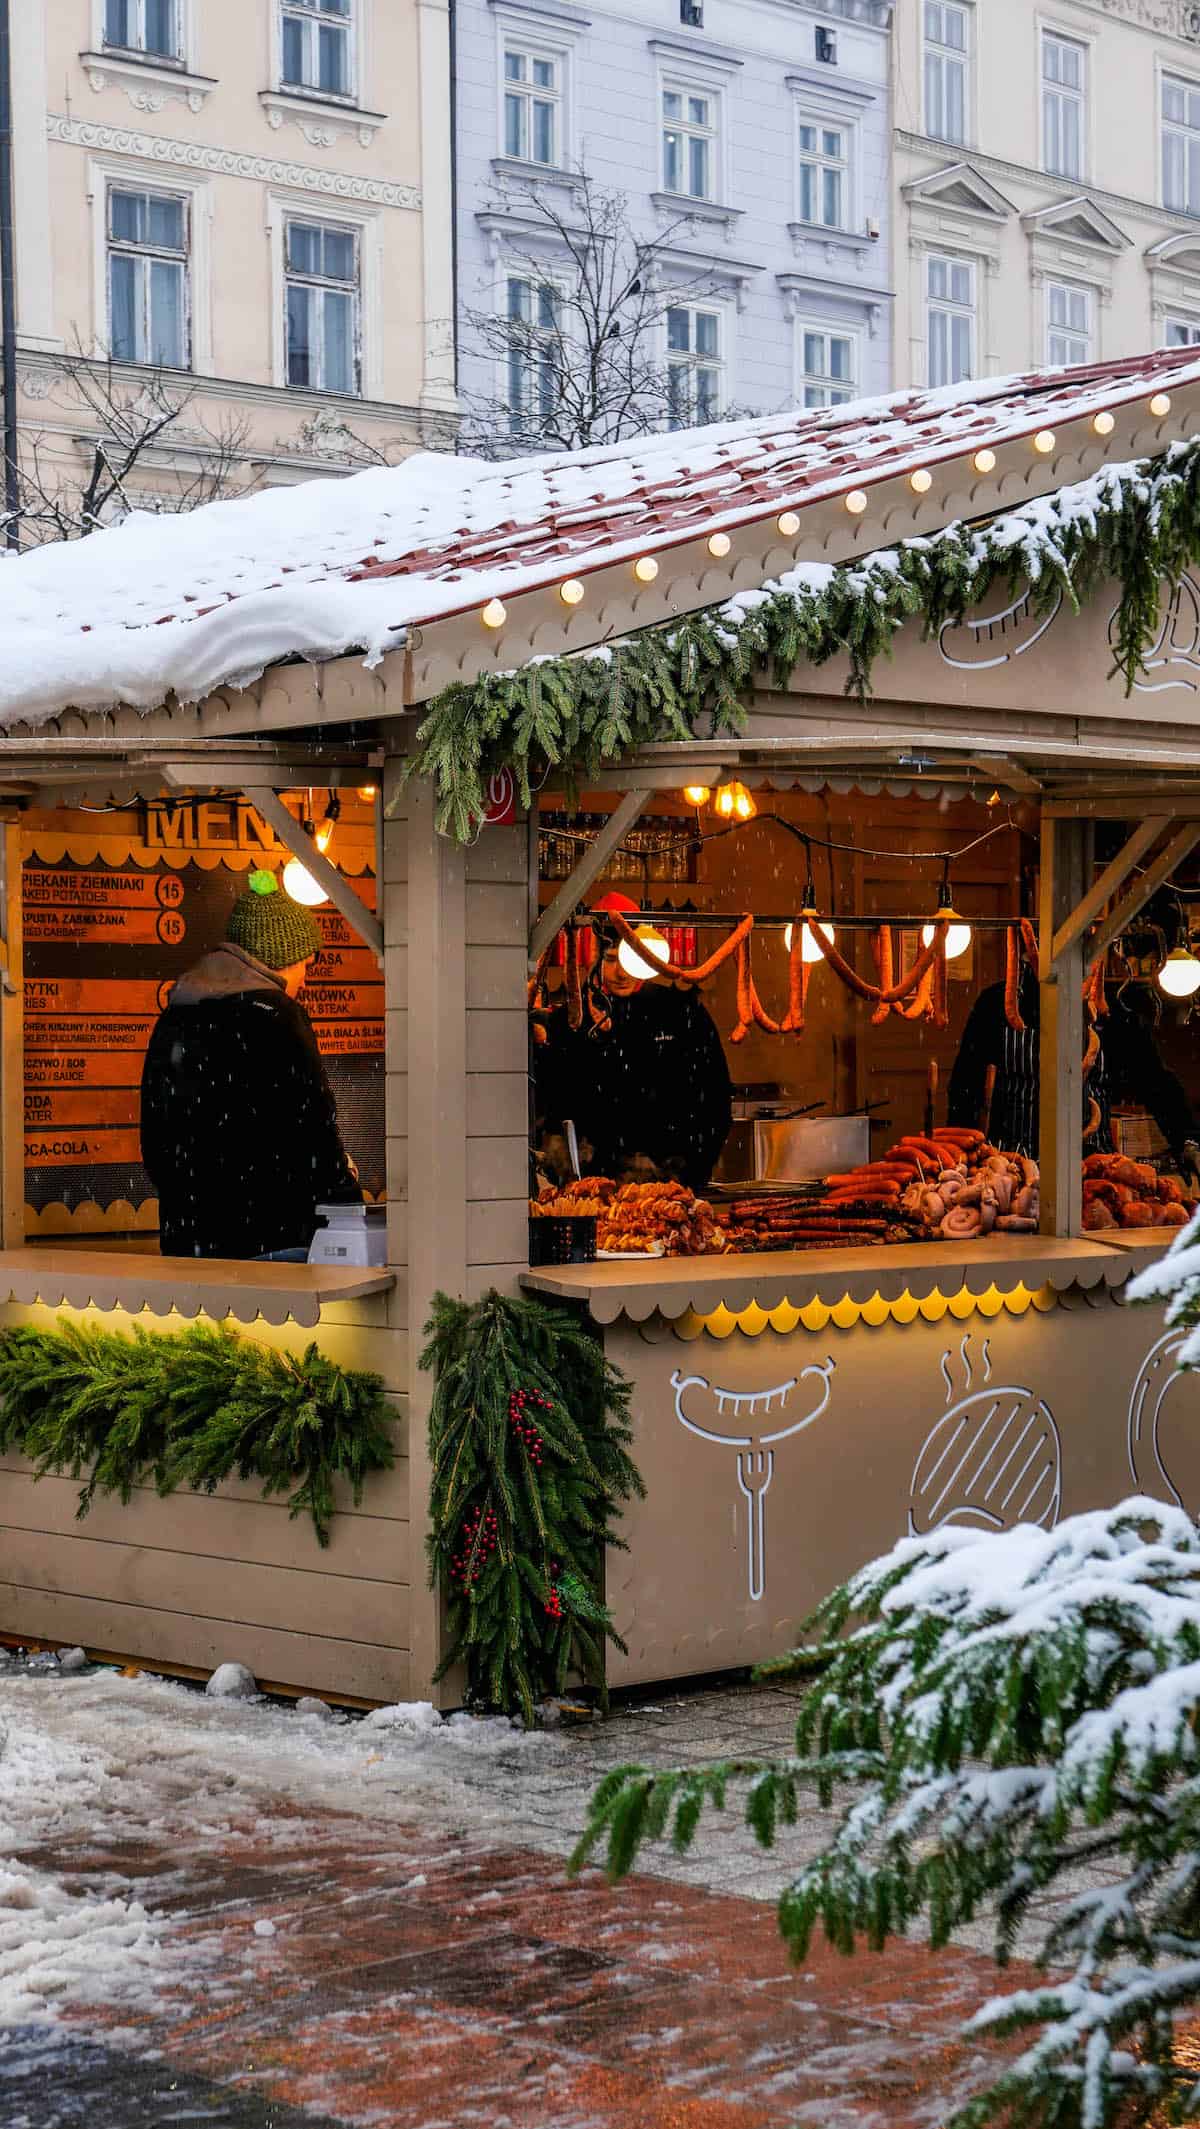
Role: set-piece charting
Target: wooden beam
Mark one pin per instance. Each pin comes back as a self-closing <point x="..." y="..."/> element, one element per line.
<point x="589" y="869"/>
<point x="1064" y="868"/>
<point x="1112" y="877"/>
<point x="1161" y="806"/>
<point x="1154" y="877"/>
<point x="12" y="1044"/>
<point x="340" y="892"/>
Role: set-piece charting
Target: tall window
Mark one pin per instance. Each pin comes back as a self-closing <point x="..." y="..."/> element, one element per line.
<point x="147" y="278"/>
<point x="1181" y="332"/>
<point x="694" y="365"/>
<point x="321" y="296"/>
<point x="1180" y="146"/>
<point x="150" y="26"/>
<point x="689" y="130"/>
<point x="947" y="59"/>
<point x="828" y="379"/>
<point x="316" y="46"/>
<point x="1063" y="105"/>
<point x="1068" y="323"/>
<point x="532" y="105"/>
<point x="950" y="320"/>
<point x="532" y="343"/>
<point x="824" y="175"/>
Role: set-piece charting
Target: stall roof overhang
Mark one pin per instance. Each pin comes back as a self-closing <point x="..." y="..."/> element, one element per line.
<point x="387" y="572"/>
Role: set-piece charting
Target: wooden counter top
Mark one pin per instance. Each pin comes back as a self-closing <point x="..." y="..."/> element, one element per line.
<point x="210" y="1286"/>
<point x="671" y="1286"/>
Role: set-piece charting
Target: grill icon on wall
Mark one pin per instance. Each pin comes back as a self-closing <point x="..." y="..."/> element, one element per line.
<point x="992" y="1460"/>
<point x="741" y="1420"/>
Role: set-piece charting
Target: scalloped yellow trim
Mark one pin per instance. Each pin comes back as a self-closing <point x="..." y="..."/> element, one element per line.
<point x="847" y="1314"/>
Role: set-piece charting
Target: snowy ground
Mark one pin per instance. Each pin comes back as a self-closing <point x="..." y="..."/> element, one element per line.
<point x="156" y="1760"/>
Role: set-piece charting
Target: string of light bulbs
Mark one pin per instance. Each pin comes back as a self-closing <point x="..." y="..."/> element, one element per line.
<point x="573" y="590"/>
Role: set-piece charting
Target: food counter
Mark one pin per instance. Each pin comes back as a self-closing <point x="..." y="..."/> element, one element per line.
<point x="788" y="1444"/>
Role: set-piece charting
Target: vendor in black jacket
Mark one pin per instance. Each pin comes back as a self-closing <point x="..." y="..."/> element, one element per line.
<point x="649" y="1093"/>
<point x="239" y="1125"/>
<point x="1128" y="1068"/>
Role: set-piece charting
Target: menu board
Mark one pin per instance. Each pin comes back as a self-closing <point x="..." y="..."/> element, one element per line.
<point x="104" y="943"/>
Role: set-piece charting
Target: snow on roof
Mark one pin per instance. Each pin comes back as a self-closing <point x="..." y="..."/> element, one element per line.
<point x="189" y="603"/>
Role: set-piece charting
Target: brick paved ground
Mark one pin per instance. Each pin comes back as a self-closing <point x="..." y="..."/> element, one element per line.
<point x="434" y="1968"/>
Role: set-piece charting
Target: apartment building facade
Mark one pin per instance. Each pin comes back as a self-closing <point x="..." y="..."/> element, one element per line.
<point x="1046" y="182"/>
<point x="747" y="142"/>
<point x="249" y="206"/>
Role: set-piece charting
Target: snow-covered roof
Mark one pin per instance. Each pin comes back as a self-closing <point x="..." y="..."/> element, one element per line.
<point x="186" y="604"/>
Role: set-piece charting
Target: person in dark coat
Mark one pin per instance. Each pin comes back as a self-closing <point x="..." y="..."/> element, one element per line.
<point x="1128" y="1068"/>
<point x="239" y="1125"/>
<point x="650" y="1093"/>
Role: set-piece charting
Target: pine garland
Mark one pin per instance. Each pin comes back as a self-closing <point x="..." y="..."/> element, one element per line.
<point x="528" y="1436"/>
<point x="190" y="1408"/>
<point x="1137" y="523"/>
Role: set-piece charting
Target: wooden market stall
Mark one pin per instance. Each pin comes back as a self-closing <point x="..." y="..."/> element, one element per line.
<point x="794" y="1410"/>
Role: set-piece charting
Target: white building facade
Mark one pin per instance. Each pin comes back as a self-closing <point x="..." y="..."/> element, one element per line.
<point x="1046" y="183"/>
<point x="753" y="134"/>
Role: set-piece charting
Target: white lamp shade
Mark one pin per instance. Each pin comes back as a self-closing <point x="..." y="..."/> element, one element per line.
<point x="809" y="950"/>
<point x="958" y="938"/>
<point x="640" y="965"/>
<point x="1179" y="975"/>
<point x="301" y="885"/>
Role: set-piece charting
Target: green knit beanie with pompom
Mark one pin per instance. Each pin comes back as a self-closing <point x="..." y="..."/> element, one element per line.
<point x="267" y="923"/>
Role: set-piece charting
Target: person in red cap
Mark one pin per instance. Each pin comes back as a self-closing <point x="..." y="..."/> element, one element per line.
<point x="646" y="1085"/>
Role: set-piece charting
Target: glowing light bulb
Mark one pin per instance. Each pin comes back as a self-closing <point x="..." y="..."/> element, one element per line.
<point x="697" y="794"/>
<point x="1044" y="442"/>
<point x="809" y="950"/>
<point x="1179" y="975"/>
<point x="921" y="481"/>
<point x="571" y="593"/>
<point x="734" y="803"/>
<point x="368" y="792"/>
<point x="958" y="934"/>
<point x="324" y="836"/>
<point x="1104" y="424"/>
<point x="645" y="569"/>
<point x="1161" y="403"/>
<point x="788" y="523"/>
<point x="984" y="461"/>
<point x="719" y="545"/>
<point x="856" y="502"/>
<point x="494" y="614"/>
<point x="640" y="965"/>
<point x="301" y="885"/>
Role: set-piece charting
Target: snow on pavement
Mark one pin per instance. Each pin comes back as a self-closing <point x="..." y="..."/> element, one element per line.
<point x="145" y="1759"/>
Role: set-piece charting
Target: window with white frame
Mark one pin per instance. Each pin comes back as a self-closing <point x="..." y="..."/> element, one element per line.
<point x="949" y="319"/>
<point x="532" y="104"/>
<point x="149" y="26"/>
<point x="690" y="137"/>
<point x="1181" y="332"/>
<point x="824" y="168"/>
<point x="147" y="247"/>
<point x="828" y="367"/>
<point x="532" y="350"/>
<point x="1068" y="324"/>
<point x="1180" y="145"/>
<point x="322" y="305"/>
<point x="695" y="365"/>
<point x="947" y="69"/>
<point x="1064" y="105"/>
<point x="315" y="46"/>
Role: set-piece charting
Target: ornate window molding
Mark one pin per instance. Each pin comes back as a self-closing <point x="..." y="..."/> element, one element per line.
<point x="322" y="121"/>
<point x="149" y="85"/>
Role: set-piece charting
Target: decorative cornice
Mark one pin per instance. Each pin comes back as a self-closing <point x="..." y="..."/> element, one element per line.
<point x="1055" y="189"/>
<point x="230" y="162"/>
<point x="1161" y="18"/>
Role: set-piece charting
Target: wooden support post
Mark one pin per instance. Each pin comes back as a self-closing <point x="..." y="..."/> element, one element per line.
<point x="589" y="869"/>
<point x="435" y="1041"/>
<point x="1111" y="879"/>
<point x="1064" y="873"/>
<point x="12" y="1043"/>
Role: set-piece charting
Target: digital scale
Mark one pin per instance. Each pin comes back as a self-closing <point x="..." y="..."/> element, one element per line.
<point x="352" y="1234"/>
